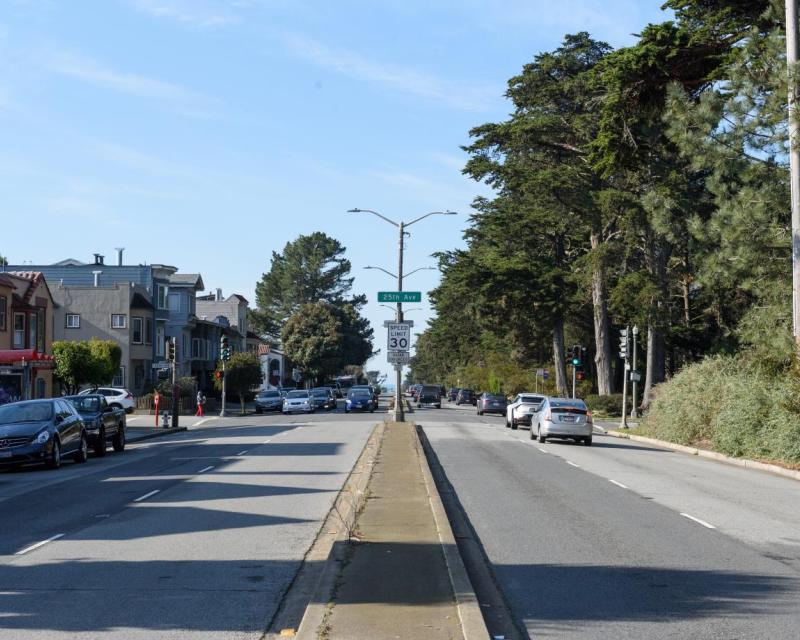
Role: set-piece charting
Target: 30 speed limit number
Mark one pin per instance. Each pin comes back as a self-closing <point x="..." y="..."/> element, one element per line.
<point x="399" y="337"/>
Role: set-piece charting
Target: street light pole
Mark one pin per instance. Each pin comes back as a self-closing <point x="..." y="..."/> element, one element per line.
<point x="399" y="414"/>
<point x="794" y="161"/>
<point x="635" y="332"/>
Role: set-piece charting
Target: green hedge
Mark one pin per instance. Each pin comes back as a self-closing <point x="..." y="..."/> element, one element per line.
<point x="610" y="405"/>
<point x="730" y="406"/>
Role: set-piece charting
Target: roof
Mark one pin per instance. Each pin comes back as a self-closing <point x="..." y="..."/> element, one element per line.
<point x="191" y="279"/>
<point x="69" y="262"/>
<point x="35" y="278"/>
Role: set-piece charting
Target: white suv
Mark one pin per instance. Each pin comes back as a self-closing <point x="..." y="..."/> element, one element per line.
<point x="522" y="408"/>
<point x="115" y="397"/>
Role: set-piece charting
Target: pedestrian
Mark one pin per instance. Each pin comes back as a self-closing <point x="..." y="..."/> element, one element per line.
<point x="201" y="400"/>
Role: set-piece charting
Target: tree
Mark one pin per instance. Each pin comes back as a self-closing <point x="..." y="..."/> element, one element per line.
<point x="3" y="261"/>
<point x="312" y="339"/>
<point x="312" y="268"/>
<point x="94" y="362"/>
<point x="242" y="375"/>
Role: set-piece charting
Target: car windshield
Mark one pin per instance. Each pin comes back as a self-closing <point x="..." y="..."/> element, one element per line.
<point x="494" y="396"/>
<point x="531" y="399"/>
<point x="89" y="404"/>
<point x="360" y="393"/>
<point x="269" y="394"/>
<point x="320" y="392"/>
<point x="297" y="394"/>
<point x="26" y="412"/>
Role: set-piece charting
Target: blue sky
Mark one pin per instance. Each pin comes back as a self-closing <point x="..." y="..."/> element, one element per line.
<point x="208" y="133"/>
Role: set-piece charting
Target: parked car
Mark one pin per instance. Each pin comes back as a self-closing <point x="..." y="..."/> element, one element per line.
<point x="563" y="418"/>
<point x="430" y="396"/>
<point x="324" y="397"/>
<point x="299" y="401"/>
<point x="103" y="422"/>
<point x="359" y="400"/>
<point x="452" y="394"/>
<point x="41" y="431"/>
<point x="269" y="400"/>
<point x="466" y="396"/>
<point x="522" y="408"/>
<point x="491" y="403"/>
<point x="118" y="397"/>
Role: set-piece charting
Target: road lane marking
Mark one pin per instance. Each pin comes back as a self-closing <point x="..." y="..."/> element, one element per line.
<point x="698" y="521"/>
<point x="266" y="442"/>
<point x="39" y="544"/>
<point x="542" y="450"/>
<point x="147" y="495"/>
<point x="572" y="463"/>
<point x="203" y="421"/>
<point x="619" y="484"/>
<point x="241" y="453"/>
<point x="208" y="468"/>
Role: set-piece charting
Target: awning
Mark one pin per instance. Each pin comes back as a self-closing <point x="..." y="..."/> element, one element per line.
<point x="31" y="357"/>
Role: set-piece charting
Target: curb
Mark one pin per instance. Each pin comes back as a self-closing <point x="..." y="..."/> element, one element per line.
<point x="156" y="433"/>
<point x="305" y="603"/>
<point x="469" y="611"/>
<point x="710" y="455"/>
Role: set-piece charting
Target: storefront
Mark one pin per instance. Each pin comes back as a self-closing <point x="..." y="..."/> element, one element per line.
<point x="24" y="374"/>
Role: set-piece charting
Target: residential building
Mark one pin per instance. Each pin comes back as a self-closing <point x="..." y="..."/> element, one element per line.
<point x="181" y="322"/>
<point x="122" y="312"/>
<point x="26" y="336"/>
<point x="234" y="309"/>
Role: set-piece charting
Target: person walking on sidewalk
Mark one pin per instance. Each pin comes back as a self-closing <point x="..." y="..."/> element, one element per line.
<point x="201" y="400"/>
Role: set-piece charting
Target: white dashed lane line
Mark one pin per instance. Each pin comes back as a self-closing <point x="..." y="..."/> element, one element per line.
<point x="208" y="468"/>
<point x="698" y="521"/>
<point x="147" y="495"/>
<point x="572" y="463"/>
<point x="39" y="544"/>
<point x="241" y="453"/>
<point x="619" y="484"/>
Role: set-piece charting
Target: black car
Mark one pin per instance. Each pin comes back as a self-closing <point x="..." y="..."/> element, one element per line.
<point x="466" y="396"/>
<point x="41" y="431"/>
<point x="325" y="397"/>
<point x="104" y="422"/>
<point x="430" y="396"/>
<point x="269" y="400"/>
<point x="452" y="393"/>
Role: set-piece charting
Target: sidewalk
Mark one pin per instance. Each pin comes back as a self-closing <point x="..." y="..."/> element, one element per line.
<point x="403" y="578"/>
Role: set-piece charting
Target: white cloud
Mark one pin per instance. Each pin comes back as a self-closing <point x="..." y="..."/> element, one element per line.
<point x="196" y="13"/>
<point x="92" y="72"/>
<point x="395" y="77"/>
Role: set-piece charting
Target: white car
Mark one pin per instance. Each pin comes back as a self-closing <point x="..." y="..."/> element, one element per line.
<point x="300" y="400"/>
<point x="116" y="397"/>
<point x="520" y="410"/>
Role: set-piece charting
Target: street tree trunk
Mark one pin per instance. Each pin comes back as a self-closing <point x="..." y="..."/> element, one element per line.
<point x="602" y="328"/>
<point x="558" y="357"/>
<point x="656" y="349"/>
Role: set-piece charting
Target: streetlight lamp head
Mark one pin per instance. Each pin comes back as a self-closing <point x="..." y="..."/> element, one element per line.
<point x="354" y="211"/>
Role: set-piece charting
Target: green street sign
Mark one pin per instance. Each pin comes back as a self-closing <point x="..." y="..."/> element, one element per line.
<point x="399" y="296"/>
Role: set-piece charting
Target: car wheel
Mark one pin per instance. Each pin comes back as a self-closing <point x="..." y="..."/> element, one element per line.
<point x="100" y="444"/>
<point x="258" y="410"/>
<point x="587" y="441"/>
<point x="54" y="461"/>
<point x="479" y="412"/>
<point x="542" y="439"/>
<point x="508" y="424"/>
<point x="119" y="439"/>
<point x="533" y="435"/>
<point x="82" y="454"/>
<point x="514" y="424"/>
<point x="116" y="405"/>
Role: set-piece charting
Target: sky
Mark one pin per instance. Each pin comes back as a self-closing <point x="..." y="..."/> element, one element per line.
<point x="207" y="134"/>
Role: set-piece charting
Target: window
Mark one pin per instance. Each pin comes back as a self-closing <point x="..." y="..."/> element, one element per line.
<point x="148" y="331"/>
<point x="40" y="387"/>
<point x="119" y="379"/>
<point x="19" y="330"/>
<point x="119" y="321"/>
<point x="174" y="301"/>
<point x="195" y="347"/>
<point x="3" y="311"/>
<point x="136" y="330"/>
<point x="160" y="341"/>
<point x="138" y="376"/>
<point x="40" y="336"/>
<point x="73" y="321"/>
<point x="33" y="330"/>
<point x="184" y="347"/>
<point x="161" y="296"/>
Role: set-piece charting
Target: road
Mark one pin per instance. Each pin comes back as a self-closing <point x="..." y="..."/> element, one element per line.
<point x="195" y="535"/>
<point x="621" y="540"/>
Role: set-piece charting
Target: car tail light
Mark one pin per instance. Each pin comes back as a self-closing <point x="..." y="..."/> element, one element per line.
<point x="547" y="416"/>
<point x="128" y="396"/>
<point x="589" y="417"/>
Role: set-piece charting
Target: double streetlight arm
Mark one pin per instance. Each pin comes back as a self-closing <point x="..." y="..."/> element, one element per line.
<point x="405" y="275"/>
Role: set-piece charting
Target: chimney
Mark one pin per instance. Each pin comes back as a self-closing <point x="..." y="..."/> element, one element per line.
<point x="97" y="275"/>
<point x="119" y="251"/>
<point x="219" y="294"/>
<point x="98" y="259"/>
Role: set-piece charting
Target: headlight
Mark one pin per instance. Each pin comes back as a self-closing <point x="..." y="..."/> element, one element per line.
<point x="43" y="437"/>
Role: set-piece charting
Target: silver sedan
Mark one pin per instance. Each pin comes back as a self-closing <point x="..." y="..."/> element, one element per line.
<point x="563" y="418"/>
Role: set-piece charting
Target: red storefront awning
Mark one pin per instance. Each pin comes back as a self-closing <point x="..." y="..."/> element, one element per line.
<point x="32" y="357"/>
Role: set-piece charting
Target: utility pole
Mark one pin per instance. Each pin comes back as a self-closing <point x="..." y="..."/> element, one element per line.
<point x="399" y="414"/>
<point x="223" y="355"/>
<point x="173" y="349"/>
<point x="574" y="369"/>
<point x="794" y="161"/>
<point x="634" y="378"/>
<point x="623" y="353"/>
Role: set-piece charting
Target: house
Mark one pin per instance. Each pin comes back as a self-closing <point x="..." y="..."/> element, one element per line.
<point x="26" y="336"/>
<point x="122" y="312"/>
<point x="233" y="309"/>
<point x="181" y="305"/>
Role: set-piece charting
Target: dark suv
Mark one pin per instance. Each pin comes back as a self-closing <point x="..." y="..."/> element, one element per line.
<point x="466" y="396"/>
<point x="430" y="396"/>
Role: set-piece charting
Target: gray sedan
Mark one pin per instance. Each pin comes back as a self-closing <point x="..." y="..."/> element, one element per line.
<point x="563" y="418"/>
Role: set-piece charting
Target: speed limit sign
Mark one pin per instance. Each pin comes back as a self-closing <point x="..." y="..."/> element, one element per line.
<point x="399" y="336"/>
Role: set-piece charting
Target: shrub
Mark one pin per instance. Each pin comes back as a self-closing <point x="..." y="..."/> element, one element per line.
<point x="610" y="405"/>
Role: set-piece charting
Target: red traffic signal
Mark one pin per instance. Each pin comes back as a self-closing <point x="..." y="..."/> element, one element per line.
<point x="580" y="375"/>
<point x="218" y="375"/>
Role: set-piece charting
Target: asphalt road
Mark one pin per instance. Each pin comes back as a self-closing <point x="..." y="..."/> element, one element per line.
<point x="195" y="535"/>
<point x="621" y="540"/>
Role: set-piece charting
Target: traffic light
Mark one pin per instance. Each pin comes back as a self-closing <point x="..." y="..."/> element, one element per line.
<point x="171" y="349"/>
<point x="576" y="355"/>
<point x="218" y="375"/>
<point x="580" y="375"/>
<point x="623" y="343"/>
<point x="224" y="350"/>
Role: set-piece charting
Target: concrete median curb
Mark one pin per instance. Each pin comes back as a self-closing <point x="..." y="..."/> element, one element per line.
<point x="710" y="455"/>
<point x="156" y="432"/>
